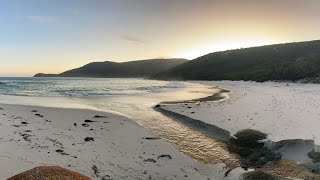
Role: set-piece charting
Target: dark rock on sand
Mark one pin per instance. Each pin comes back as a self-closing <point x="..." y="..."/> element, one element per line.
<point x="258" y="174"/>
<point x="34" y="111"/>
<point x="88" y="139"/>
<point x="247" y="145"/>
<point x="75" y="124"/>
<point x="311" y="167"/>
<point x="157" y="106"/>
<point x="24" y="123"/>
<point x="250" y="135"/>
<point x="314" y="155"/>
<point x="49" y="172"/>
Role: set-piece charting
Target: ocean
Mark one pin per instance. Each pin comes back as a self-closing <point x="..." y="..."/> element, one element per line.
<point x="83" y="87"/>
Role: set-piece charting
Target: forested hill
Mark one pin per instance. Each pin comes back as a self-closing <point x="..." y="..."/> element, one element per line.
<point x="141" y="68"/>
<point x="291" y="61"/>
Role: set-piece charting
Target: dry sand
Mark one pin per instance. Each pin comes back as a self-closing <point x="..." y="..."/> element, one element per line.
<point x="283" y="111"/>
<point x="121" y="149"/>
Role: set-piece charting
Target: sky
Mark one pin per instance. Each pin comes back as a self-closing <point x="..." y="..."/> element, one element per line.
<point x="53" y="36"/>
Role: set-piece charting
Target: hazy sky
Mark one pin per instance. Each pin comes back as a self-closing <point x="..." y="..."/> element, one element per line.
<point x="55" y="35"/>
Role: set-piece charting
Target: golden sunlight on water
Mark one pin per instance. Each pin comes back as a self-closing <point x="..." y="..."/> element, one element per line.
<point x="193" y="143"/>
<point x="189" y="141"/>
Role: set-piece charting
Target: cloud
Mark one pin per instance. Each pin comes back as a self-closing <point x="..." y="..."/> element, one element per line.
<point x="132" y="39"/>
<point x="41" y="19"/>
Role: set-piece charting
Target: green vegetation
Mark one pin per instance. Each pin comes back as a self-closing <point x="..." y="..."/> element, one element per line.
<point x="291" y="61"/>
<point x="142" y="68"/>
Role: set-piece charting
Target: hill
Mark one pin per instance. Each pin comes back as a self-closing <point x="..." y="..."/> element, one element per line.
<point x="290" y="61"/>
<point x="141" y="68"/>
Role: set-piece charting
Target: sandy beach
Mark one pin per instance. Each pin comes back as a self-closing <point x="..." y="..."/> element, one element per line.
<point x="104" y="145"/>
<point x="97" y="144"/>
<point x="282" y="110"/>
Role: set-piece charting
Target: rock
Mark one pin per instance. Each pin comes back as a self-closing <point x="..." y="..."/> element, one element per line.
<point x="49" y="172"/>
<point x="157" y="106"/>
<point x="250" y="135"/>
<point x="24" y="123"/>
<point x="311" y="167"/>
<point x="258" y="174"/>
<point x="88" y="139"/>
<point x="314" y="155"/>
<point x="34" y="111"/>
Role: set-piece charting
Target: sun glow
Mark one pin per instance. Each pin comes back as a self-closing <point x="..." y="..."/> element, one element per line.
<point x="221" y="46"/>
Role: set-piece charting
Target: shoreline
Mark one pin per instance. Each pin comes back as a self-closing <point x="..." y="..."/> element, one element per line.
<point x="181" y="128"/>
<point x="52" y="138"/>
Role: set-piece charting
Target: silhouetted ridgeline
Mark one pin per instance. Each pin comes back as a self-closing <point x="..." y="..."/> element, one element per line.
<point x="143" y="68"/>
<point x="291" y="61"/>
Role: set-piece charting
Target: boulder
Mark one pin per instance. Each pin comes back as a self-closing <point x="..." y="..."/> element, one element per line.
<point x="258" y="174"/>
<point x="250" y="135"/>
<point x="314" y="155"/>
<point x="49" y="172"/>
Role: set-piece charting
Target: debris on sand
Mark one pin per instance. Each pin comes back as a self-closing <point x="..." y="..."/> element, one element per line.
<point x="25" y="136"/>
<point x="39" y="115"/>
<point x="165" y="156"/>
<point x="95" y="170"/>
<point x="85" y="125"/>
<point x="88" y="139"/>
<point x="61" y="152"/>
<point x="49" y="172"/>
<point x="98" y="116"/>
<point x="89" y="121"/>
<point x="150" y="160"/>
<point x="151" y="138"/>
